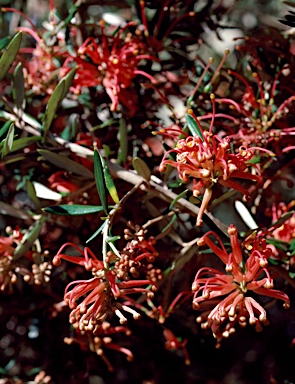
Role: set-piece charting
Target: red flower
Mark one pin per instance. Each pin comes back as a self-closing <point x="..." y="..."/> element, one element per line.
<point x="207" y="158"/>
<point x="242" y="278"/>
<point x="114" y="64"/>
<point x="100" y="293"/>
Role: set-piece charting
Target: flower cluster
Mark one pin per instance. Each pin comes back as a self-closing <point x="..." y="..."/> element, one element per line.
<point x="113" y="62"/>
<point x="242" y="278"/>
<point x="102" y="291"/>
<point x="208" y="159"/>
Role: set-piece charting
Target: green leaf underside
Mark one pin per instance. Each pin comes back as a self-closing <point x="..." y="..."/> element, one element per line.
<point x="65" y="163"/>
<point x="141" y="168"/>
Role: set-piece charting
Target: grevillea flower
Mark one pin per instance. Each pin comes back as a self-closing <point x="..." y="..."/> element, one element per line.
<point x="100" y="293"/>
<point x="208" y="159"/>
<point x="233" y="289"/>
<point x="259" y="116"/>
<point x="113" y="63"/>
<point x="41" y="71"/>
<point x="286" y="232"/>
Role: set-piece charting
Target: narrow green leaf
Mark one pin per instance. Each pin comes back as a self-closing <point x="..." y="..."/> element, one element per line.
<point x="28" y="240"/>
<point x="96" y="233"/>
<point x="7" y="144"/>
<point x="4" y="42"/>
<point x="68" y="80"/>
<point x="24" y="142"/>
<point x="71" y="130"/>
<point x="32" y="194"/>
<point x="52" y="106"/>
<point x="5" y="128"/>
<point x="19" y="87"/>
<point x="109" y="181"/>
<point x="141" y="168"/>
<point x="122" y="156"/>
<point x="286" y="216"/>
<point x="105" y="124"/>
<point x="100" y="181"/>
<point x="73" y="209"/>
<point x="65" y="163"/>
<point x="7" y="209"/>
<point x="193" y="127"/>
<point x="9" y="54"/>
<point x="182" y="194"/>
<point x="174" y="218"/>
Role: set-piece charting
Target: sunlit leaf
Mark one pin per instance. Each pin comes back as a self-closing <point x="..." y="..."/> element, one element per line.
<point x="100" y="181"/>
<point x="73" y="209"/>
<point x="65" y="163"/>
<point x="245" y="215"/>
<point x="141" y="168"/>
<point x="109" y="181"/>
<point x="5" y="128"/>
<point x="193" y="126"/>
<point x="7" y="144"/>
<point x="9" y="54"/>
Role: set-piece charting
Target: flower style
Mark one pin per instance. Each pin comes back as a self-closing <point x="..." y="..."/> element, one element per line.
<point x="241" y="279"/>
<point x="173" y="343"/>
<point x="114" y="64"/>
<point x="102" y="291"/>
<point x="208" y="159"/>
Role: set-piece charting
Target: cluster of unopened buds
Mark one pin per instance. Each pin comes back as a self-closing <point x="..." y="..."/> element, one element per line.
<point x="208" y="159"/>
<point x="10" y="268"/>
<point x="101" y="292"/>
<point x="233" y="289"/>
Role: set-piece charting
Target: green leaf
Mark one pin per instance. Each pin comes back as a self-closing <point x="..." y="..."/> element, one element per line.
<point x="182" y="194"/>
<point x="286" y="216"/>
<point x="24" y="142"/>
<point x="122" y="156"/>
<point x="141" y="168"/>
<point x="53" y="104"/>
<point x="105" y="124"/>
<point x="9" y="54"/>
<point x="100" y="181"/>
<point x="65" y="163"/>
<point x="4" y="42"/>
<point x="193" y="126"/>
<point x="7" y="209"/>
<point x="73" y="209"/>
<point x="174" y="218"/>
<point x="109" y="181"/>
<point x="5" y="128"/>
<point x="71" y="130"/>
<point x="7" y="144"/>
<point x="19" y="87"/>
<point x="32" y="194"/>
<point x="28" y="240"/>
<point x="97" y="232"/>
<point x="68" y="80"/>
